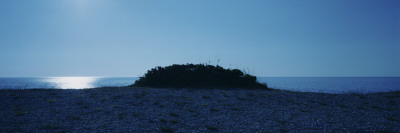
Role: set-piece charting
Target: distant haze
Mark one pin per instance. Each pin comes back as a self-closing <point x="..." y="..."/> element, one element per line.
<point x="291" y="38"/>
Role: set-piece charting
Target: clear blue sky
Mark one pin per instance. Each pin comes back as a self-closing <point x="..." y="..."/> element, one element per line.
<point x="289" y="38"/>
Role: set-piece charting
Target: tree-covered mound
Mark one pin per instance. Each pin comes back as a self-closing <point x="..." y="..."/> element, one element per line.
<point x="197" y="76"/>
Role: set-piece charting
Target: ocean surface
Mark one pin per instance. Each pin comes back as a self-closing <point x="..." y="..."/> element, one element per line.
<point x="334" y="84"/>
<point x="64" y="82"/>
<point x="304" y="84"/>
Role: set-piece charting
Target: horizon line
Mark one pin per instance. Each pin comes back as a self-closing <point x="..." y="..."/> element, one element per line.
<point x="256" y="76"/>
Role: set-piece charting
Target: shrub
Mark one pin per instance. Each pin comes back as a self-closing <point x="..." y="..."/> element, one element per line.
<point x="197" y="76"/>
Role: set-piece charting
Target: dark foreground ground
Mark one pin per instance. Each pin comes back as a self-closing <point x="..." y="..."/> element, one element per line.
<point x="196" y="110"/>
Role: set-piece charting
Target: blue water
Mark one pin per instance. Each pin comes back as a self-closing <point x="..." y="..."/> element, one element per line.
<point x="64" y="82"/>
<point x="334" y="84"/>
<point x="316" y="84"/>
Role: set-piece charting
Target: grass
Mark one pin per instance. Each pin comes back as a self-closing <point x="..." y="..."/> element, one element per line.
<point x="183" y="103"/>
<point x="133" y="103"/>
<point x="342" y="106"/>
<point x="392" y="96"/>
<point x="142" y="94"/>
<point x="93" y="95"/>
<point x="241" y="98"/>
<point x="312" y="101"/>
<point x="173" y="121"/>
<point x="75" y="117"/>
<point x="391" y="118"/>
<point x="167" y="129"/>
<point x="85" y="106"/>
<point x="21" y="113"/>
<point x="303" y="110"/>
<point x="16" y="97"/>
<point x="362" y="96"/>
<point x="324" y="104"/>
<point x="117" y="97"/>
<point x="103" y="99"/>
<point x="163" y="120"/>
<point x="51" y="101"/>
<point x="50" y="126"/>
<point x="206" y="97"/>
<point x="187" y="98"/>
<point x="212" y="128"/>
<point x="282" y="122"/>
<point x="234" y="108"/>
<point x="213" y="110"/>
<point x="392" y="102"/>
<point x="229" y="104"/>
<point x="173" y="114"/>
<point x="135" y="114"/>
<point x="251" y="94"/>
<point x="375" y="107"/>
<point x="115" y="106"/>
<point x="291" y="101"/>
<point x="56" y="112"/>
<point x="79" y="103"/>
<point x="121" y="116"/>
<point x="385" y="131"/>
<point x="191" y="110"/>
<point x="282" y="130"/>
<point x="361" y="107"/>
<point x="99" y="108"/>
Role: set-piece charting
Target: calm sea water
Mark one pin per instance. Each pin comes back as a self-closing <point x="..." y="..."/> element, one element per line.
<point x="334" y="84"/>
<point x="64" y="82"/>
<point x="317" y="84"/>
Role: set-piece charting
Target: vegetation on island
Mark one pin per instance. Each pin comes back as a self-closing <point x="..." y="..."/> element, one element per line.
<point x="197" y="76"/>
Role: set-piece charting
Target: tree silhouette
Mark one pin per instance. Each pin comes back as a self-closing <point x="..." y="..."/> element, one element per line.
<point x="197" y="76"/>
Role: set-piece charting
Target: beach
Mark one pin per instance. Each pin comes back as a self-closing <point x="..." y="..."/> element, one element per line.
<point x="124" y="109"/>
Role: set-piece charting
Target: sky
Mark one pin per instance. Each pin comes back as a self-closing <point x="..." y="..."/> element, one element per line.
<point x="269" y="38"/>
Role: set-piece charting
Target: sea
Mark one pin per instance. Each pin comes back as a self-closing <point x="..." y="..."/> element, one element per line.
<point x="335" y="85"/>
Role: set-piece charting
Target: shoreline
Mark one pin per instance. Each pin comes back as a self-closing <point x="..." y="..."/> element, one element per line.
<point x="195" y="110"/>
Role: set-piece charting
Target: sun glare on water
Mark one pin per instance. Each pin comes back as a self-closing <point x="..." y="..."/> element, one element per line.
<point x="72" y="82"/>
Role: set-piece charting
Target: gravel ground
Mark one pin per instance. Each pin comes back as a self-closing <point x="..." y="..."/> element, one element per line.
<point x="196" y="110"/>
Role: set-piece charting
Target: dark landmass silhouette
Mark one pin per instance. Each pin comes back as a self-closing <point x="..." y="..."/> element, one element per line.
<point x="197" y="76"/>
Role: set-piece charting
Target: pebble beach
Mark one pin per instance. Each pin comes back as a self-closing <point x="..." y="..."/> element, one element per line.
<point x="124" y="109"/>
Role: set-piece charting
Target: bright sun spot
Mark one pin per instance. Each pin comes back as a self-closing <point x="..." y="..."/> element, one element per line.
<point x="72" y="82"/>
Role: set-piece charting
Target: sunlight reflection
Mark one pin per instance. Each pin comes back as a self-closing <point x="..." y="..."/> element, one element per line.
<point x="72" y="82"/>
